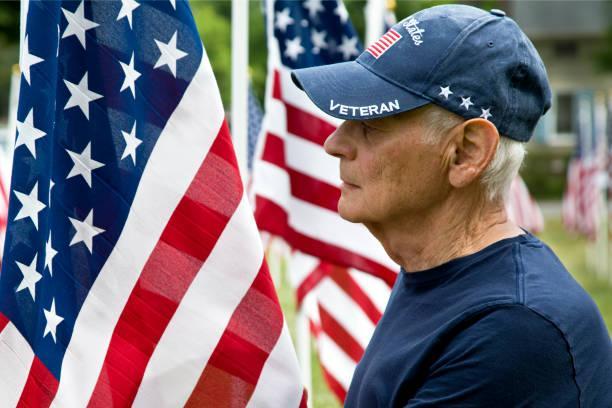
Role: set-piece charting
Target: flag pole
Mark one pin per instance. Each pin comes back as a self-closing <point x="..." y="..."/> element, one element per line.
<point x="240" y="65"/>
<point x="374" y="13"/>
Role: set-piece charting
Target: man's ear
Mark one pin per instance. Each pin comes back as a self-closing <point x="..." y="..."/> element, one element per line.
<point x="474" y="143"/>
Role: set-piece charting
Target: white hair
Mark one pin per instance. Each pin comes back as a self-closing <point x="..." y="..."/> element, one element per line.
<point x="503" y="168"/>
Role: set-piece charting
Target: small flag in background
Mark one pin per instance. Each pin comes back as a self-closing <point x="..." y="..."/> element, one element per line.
<point x="133" y="270"/>
<point x="586" y="173"/>
<point x="522" y="209"/>
<point x="254" y="126"/>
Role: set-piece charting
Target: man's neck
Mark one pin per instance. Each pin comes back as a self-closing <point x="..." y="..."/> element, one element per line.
<point x="422" y="241"/>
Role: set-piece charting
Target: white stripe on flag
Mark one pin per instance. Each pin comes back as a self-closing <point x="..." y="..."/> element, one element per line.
<point x="378" y="291"/>
<point x="310" y="159"/>
<point x="279" y="374"/>
<point x="346" y="312"/>
<point x="336" y="362"/>
<point x="16" y="358"/>
<point x="203" y="314"/>
<point x="300" y="267"/>
<point x="272" y="182"/>
<point x="275" y="120"/>
<point x="177" y="156"/>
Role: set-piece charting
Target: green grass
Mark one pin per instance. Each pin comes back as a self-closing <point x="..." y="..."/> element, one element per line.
<point x="570" y="249"/>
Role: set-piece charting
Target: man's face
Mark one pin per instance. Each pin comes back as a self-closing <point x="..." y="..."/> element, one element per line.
<point x="388" y="171"/>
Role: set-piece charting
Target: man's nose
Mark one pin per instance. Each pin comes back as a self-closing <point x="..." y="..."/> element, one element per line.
<point x="339" y="143"/>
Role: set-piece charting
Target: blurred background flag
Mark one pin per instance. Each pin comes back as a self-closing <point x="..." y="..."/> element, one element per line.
<point x="522" y="209"/>
<point x="586" y="175"/>
<point x="121" y="283"/>
<point x="296" y="190"/>
<point x="255" y="113"/>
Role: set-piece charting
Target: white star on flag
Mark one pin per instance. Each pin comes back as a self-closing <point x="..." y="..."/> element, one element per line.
<point x="294" y="48"/>
<point x="283" y="19"/>
<point x="27" y="60"/>
<point x="30" y="206"/>
<point x="30" y="277"/>
<point x="313" y="7"/>
<point x="80" y="95"/>
<point x="466" y="102"/>
<point x="27" y="134"/>
<point x="341" y="12"/>
<point x="131" y="143"/>
<point x="83" y="164"/>
<point x="173" y="3"/>
<point x="85" y="231"/>
<point x="486" y="113"/>
<point x="49" y="255"/>
<point x="318" y="40"/>
<point x="131" y="75"/>
<point x="78" y="24"/>
<point x="53" y="320"/>
<point x="348" y="48"/>
<point x="51" y="184"/>
<point x="169" y="54"/>
<point x="445" y="91"/>
<point x="127" y="7"/>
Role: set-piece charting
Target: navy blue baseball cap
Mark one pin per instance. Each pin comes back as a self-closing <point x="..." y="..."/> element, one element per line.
<point x="469" y="61"/>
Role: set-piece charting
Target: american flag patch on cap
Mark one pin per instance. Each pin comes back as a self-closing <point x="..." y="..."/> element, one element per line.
<point x="384" y="43"/>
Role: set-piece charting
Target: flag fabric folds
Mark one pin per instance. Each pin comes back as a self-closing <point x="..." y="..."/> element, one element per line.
<point x="133" y="270"/>
<point x="334" y="264"/>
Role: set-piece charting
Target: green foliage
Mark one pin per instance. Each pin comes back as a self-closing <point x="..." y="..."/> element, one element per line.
<point x="603" y="58"/>
<point x="9" y="22"/>
<point x="544" y="171"/>
<point x="215" y="30"/>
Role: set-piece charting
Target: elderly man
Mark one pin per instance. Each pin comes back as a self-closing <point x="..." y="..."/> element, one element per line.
<point x="483" y="314"/>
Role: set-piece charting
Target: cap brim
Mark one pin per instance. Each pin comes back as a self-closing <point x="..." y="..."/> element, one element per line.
<point x="350" y="91"/>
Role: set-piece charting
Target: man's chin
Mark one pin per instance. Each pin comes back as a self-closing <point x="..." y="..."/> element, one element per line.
<point x="349" y="212"/>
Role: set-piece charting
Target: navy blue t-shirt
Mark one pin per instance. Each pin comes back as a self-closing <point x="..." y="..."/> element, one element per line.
<point x="507" y="326"/>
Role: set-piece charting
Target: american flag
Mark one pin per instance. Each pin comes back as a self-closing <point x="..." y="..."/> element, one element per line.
<point x="296" y="190"/>
<point x="133" y="270"/>
<point x="380" y="46"/>
<point x="586" y="173"/>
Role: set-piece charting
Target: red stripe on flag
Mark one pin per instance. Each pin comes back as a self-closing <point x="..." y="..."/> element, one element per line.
<point x="335" y="386"/>
<point x="372" y="51"/>
<point x="343" y="279"/>
<point x="186" y="242"/>
<point x="314" y="191"/>
<point x="335" y="331"/>
<point x="276" y="86"/>
<point x="394" y="34"/>
<point x="309" y="283"/>
<point x="390" y="38"/>
<point x="3" y="321"/>
<point x="385" y="42"/>
<point x="304" y="400"/>
<point x="307" y="126"/>
<point x="234" y="367"/>
<point x="40" y="388"/>
<point x="273" y="218"/>
<point x="378" y="48"/>
<point x="274" y="150"/>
